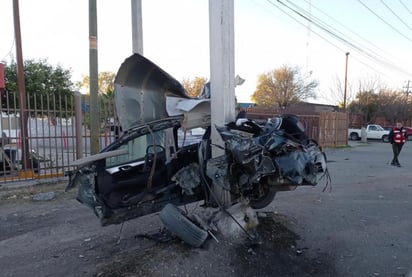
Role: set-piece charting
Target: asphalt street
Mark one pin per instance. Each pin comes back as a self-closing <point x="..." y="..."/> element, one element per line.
<point x="363" y="221"/>
<point x="358" y="225"/>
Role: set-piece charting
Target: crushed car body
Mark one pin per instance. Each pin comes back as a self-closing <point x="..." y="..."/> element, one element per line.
<point x="150" y="167"/>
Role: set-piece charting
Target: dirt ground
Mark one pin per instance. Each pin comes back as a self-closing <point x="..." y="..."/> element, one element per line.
<point x="61" y="237"/>
<point x="360" y="228"/>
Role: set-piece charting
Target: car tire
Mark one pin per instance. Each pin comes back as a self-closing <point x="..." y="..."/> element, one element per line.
<point x="263" y="201"/>
<point x="409" y="137"/>
<point x="354" y="136"/>
<point x="385" y="138"/>
<point x="173" y="218"/>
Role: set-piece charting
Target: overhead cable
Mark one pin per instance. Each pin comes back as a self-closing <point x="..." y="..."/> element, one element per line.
<point x="400" y="1"/>
<point x="340" y="38"/>
<point x="358" y="36"/>
<point x="397" y="16"/>
<point x="387" y="23"/>
<point x="11" y="49"/>
<point x="325" y="39"/>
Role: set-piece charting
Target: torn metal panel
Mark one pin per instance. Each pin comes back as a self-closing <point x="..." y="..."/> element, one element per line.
<point x="140" y="89"/>
<point x="196" y="111"/>
<point x="188" y="178"/>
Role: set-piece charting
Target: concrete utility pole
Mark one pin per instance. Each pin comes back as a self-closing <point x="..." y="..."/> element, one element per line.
<point x="407" y="97"/>
<point x="221" y="26"/>
<point x="137" y="28"/>
<point x="407" y="90"/>
<point x="94" y="75"/>
<point x="21" y="88"/>
<point x="346" y="82"/>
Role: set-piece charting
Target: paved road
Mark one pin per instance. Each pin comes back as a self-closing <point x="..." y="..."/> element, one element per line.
<point x="362" y="227"/>
<point x="364" y="224"/>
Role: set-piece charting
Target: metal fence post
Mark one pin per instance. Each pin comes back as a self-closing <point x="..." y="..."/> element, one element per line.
<point x="79" y="120"/>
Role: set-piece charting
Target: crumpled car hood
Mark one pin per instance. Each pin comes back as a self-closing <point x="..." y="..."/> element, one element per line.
<point x="140" y="89"/>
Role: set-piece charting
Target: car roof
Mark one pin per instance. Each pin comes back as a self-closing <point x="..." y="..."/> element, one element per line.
<point x="140" y="89"/>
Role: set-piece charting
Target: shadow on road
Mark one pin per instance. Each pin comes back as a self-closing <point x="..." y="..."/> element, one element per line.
<point x="277" y="254"/>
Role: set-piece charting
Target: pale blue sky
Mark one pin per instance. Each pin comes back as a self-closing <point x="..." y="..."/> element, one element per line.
<point x="267" y="36"/>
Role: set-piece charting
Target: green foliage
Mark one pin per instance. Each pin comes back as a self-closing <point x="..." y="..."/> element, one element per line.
<point x="105" y="83"/>
<point x="48" y="88"/>
<point x="282" y="87"/>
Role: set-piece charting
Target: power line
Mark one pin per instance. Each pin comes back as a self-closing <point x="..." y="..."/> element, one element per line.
<point x="398" y="17"/>
<point x="340" y="38"/>
<point x="325" y="39"/>
<point x="353" y="32"/>
<point x="306" y="26"/>
<point x="387" y="23"/>
<point x="400" y="1"/>
<point x="11" y="49"/>
<point x="321" y="24"/>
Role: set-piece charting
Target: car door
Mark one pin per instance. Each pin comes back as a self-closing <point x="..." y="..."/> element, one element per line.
<point x="126" y="179"/>
<point x="373" y="132"/>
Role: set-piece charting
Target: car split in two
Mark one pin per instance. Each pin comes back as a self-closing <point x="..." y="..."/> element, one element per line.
<point x="150" y="168"/>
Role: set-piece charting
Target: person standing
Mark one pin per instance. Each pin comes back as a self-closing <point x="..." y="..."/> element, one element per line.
<point x="397" y="137"/>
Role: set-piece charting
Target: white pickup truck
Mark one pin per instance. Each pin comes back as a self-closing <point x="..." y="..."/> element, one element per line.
<point x="372" y="131"/>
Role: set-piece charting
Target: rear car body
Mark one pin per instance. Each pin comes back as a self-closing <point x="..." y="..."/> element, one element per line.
<point x="152" y="165"/>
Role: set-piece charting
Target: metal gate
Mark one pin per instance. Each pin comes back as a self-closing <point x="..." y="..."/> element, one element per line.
<point x="53" y="136"/>
<point x="56" y="138"/>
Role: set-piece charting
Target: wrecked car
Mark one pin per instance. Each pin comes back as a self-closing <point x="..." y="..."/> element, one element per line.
<point x="149" y="169"/>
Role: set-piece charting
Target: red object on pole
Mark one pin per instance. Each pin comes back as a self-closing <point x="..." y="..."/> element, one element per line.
<point x="2" y="82"/>
<point x="64" y="140"/>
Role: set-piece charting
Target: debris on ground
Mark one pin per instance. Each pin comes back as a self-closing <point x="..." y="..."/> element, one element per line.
<point x="44" y="196"/>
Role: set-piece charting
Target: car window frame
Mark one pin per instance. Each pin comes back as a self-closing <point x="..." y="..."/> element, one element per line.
<point x="136" y="147"/>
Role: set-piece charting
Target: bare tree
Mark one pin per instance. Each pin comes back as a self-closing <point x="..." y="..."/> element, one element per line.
<point x="337" y="93"/>
<point x="375" y="100"/>
<point x="393" y="105"/>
